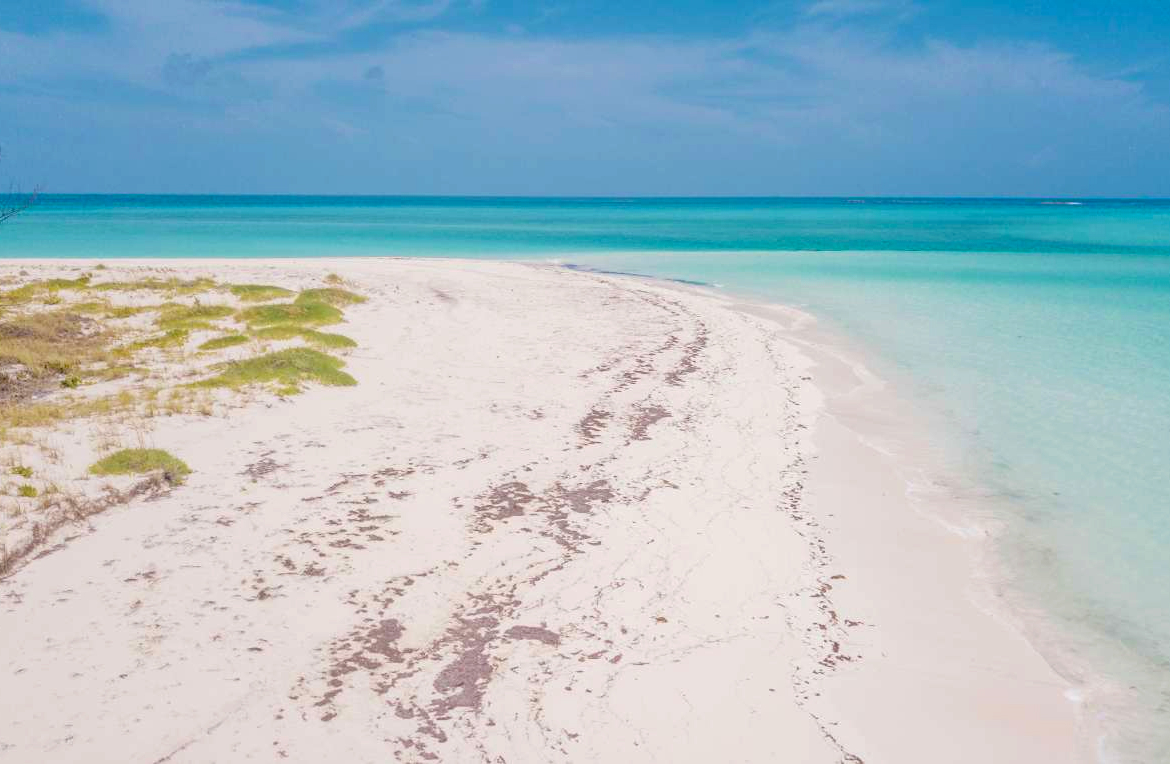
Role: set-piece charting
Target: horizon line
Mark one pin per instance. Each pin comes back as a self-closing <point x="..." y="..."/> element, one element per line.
<point x="612" y="197"/>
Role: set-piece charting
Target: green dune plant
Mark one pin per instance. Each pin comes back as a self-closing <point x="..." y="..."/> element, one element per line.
<point x="300" y="313"/>
<point x="138" y="461"/>
<point x="259" y="292"/>
<point x="172" y="338"/>
<point x="106" y="310"/>
<point x="173" y="285"/>
<point x="47" y="287"/>
<point x="226" y="341"/>
<point x="191" y="316"/>
<point x="311" y="336"/>
<point x="287" y="369"/>
<point x="330" y="296"/>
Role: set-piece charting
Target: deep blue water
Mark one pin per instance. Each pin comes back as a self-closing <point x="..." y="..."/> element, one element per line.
<point x="1040" y="331"/>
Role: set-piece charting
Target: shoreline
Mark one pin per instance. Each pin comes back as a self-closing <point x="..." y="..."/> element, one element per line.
<point x="940" y="502"/>
<point x="1006" y="703"/>
<point x="945" y="490"/>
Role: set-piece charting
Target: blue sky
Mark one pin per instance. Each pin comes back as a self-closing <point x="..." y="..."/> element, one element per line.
<point x="839" y="97"/>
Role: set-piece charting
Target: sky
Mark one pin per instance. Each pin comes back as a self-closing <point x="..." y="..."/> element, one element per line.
<point x="591" y="97"/>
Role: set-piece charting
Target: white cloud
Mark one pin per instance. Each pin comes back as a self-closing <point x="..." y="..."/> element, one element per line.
<point x="848" y="8"/>
<point x="826" y="94"/>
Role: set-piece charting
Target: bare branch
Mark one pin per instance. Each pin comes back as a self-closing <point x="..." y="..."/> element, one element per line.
<point x="14" y="209"/>
<point x="16" y="202"/>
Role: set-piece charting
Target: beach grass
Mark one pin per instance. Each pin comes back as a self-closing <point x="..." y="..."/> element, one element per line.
<point x="313" y="337"/>
<point x="287" y="369"/>
<point x="174" y="285"/>
<point x="330" y="296"/>
<point x="298" y="313"/>
<point x="259" y="292"/>
<point x="137" y="461"/>
<point x="106" y="310"/>
<point x="226" y="341"/>
<point x="172" y="338"/>
<point x="27" y="292"/>
<point x="73" y="349"/>
<point x="191" y="316"/>
<point x="50" y="349"/>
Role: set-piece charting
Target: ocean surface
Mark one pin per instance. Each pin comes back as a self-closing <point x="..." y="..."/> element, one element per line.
<point x="1039" y="331"/>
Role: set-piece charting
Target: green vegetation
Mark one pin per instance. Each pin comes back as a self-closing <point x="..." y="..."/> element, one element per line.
<point x="59" y="334"/>
<point x="259" y="292"/>
<point x="307" y="313"/>
<point x="313" y="337"/>
<point x="226" y="341"/>
<point x="24" y="472"/>
<point x="171" y="339"/>
<point x="136" y="461"/>
<point x="105" y="310"/>
<point x="111" y="371"/>
<point x="178" y="286"/>
<point x="288" y="369"/>
<point x="191" y="316"/>
<point x="329" y="296"/>
<point x="27" y="491"/>
<point x="48" y="287"/>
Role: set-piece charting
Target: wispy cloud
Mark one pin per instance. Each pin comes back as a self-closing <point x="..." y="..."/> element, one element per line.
<point x="851" y="8"/>
<point x="395" y="11"/>
<point x="828" y="103"/>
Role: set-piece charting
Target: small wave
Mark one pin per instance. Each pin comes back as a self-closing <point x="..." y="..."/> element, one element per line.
<point x="590" y="269"/>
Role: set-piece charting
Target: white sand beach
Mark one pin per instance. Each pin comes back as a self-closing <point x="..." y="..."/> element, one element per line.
<point x="563" y="516"/>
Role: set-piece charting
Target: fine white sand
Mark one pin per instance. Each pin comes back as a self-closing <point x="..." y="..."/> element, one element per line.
<point x="562" y="517"/>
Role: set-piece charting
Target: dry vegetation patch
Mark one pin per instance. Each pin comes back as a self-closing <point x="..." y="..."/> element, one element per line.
<point x="90" y="360"/>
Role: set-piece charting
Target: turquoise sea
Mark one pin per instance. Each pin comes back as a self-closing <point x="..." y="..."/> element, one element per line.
<point x="1039" y="331"/>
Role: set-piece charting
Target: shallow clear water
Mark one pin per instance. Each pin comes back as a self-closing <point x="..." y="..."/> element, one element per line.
<point x="1042" y="332"/>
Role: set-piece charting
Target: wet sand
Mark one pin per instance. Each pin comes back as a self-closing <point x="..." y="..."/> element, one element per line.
<point x="563" y="517"/>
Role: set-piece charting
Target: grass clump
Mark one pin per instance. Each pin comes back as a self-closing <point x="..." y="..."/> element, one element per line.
<point x="105" y="309"/>
<point x="226" y="341"/>
<point x="27" y="491"/>
<point x="258" y="292"/>
<point x="178" y="286"/>
<point x="170" y="339"/>
<point x="288" y="369"/>
<point x="313" y="337"/>
<point x="48" y="287"/>
<point x="136" y="461"/>
<point x="191" y="316"/>
<point x="24" y="472"/>
<point x="52" y="343"/>
<point x="306" y="313"/>
<point x="22" y="415"/>
<point x="330" y="296"/>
